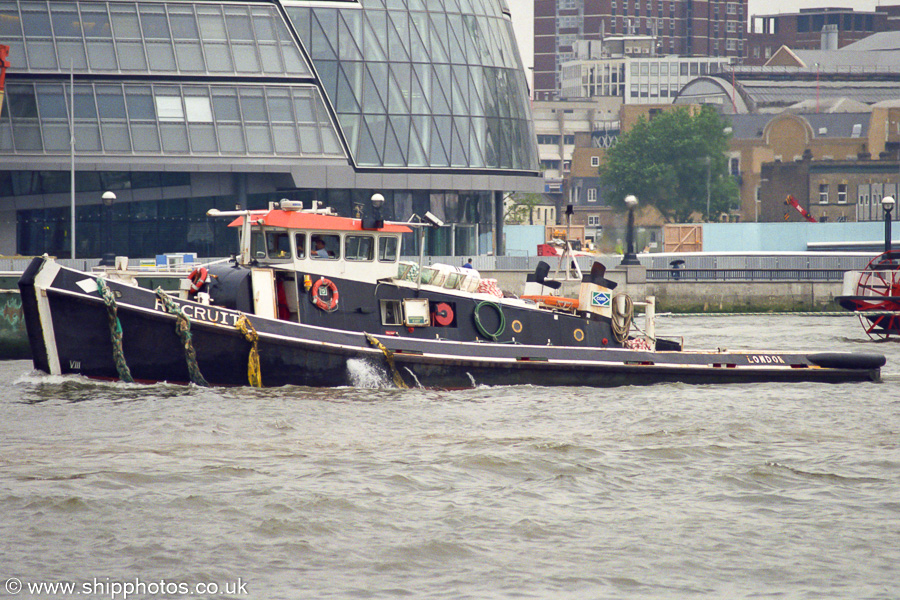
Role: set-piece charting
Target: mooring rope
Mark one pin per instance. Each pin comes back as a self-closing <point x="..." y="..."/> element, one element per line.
<point x="115" y="331"/>
<point x="622" y="318"/>
<point x="253" y="372"/>
<point x="389" y="357"/>
<point x="183" y="329"/>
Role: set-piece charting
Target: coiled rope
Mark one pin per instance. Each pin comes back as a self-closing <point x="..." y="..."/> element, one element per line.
<point x="253" y="372"/>
<point x="389" y="357"/>
<point x="621" y="321"/>
<point x="481" y="328"/>
<point x="183" y="329"/>
<point x="115" y="331"/>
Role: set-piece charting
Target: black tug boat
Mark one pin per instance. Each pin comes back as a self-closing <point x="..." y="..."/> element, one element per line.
<point x="312" y="293"/>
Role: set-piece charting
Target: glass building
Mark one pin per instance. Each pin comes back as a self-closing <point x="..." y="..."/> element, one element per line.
<point x="178" y="107"/>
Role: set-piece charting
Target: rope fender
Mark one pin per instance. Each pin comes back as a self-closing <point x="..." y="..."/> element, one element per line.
<point x="253" y="373"/>
<point x="115" y="331"/>
<point x="389" y="357"/>
<point x="183" y="329"/>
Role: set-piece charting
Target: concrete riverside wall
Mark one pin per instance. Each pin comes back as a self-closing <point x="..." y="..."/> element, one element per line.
<point x="690" y="297"/>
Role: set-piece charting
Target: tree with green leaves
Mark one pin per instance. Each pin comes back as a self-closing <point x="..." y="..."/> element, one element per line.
<point x="672" y="162"/>
<point x="520" y="208"/>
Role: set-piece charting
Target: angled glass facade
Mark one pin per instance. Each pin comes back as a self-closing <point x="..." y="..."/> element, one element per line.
<point x="179" y="106"/>
<point x="419" y="83"/>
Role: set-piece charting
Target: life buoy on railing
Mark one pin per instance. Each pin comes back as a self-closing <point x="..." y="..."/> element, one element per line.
<point x="198" y="279"/>
<point x="324" y="294"/>
<point x="500" y="316"/>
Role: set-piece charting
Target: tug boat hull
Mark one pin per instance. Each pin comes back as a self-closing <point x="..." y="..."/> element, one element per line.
<point x="69" y="332"/>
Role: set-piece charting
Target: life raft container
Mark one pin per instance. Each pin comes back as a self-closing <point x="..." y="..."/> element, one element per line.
<point x="198" y="279"/>
<point x="324" y="294"/>
<point x="556" y="301"/>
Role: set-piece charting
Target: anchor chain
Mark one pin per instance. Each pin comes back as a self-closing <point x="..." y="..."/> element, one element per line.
<point x="389" y="357"/>
<point x="115" y="331"/>
<point x="183" y="328"/>
<point x="253" y="372"/>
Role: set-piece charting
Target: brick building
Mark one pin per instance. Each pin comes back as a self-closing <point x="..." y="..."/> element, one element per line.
<point x="683" y="27"/>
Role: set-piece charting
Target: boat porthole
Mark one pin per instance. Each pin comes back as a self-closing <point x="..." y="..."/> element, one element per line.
<point x="579" y="335"/>
<point x="516" y="326"/>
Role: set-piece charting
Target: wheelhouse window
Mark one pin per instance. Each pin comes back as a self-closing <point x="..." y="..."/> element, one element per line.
<point x="278" y="244"/>
<point x="325" y="246"/>
<point x="387" y="249"/>
<point x="359" y="247"/>
<point x="300" y="242"/>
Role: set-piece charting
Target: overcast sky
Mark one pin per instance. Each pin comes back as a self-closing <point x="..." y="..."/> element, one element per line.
<point x="523" y="15"/>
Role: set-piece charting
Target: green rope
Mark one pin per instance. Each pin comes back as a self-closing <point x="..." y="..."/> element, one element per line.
<point x="115" y="331"/>
<point x="481" y="328"/>
<point x="183" y="328"/>
<point x="389" y="357"/>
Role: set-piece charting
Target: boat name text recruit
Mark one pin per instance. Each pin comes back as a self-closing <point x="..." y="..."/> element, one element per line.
<point x="203" y="313"/>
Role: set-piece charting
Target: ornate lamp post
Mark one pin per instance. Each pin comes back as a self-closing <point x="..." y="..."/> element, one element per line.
<point x="887" y="204"/>
<point x="630" y="257"/>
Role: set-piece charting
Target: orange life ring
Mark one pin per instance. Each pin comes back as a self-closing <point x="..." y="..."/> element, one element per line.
<point x="319" y="295"/>
<point x="198" y="279"/>
<point x="564" y="303"/>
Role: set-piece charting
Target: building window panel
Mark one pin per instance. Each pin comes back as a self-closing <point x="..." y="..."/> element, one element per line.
<point x="231" y="139"/>
<point x="87" y="137"/>
<point x="190" y="58"/>
<point x="823" y="193"/>
<point x="131" y="56"/>
<point x="245" y="58"/>
<point x="161" y="56"/>
<point x="42" y="56"/>
<point x="842" y="193"/>
<point x="36" y="23"/>
<point x="271" y="58"/>
<point x="259" y="140"/>
<point x="102" y="56"/>
<point x="203" y="138"/>
<point x="72" y="55"/>
<point x="56" y="137"/>
<point x="218" y="58"/>
<point x="169" y="108"/>
<point x="145" y="138"/>
<point x="110" y="102"/>
<point x="198" y="109"/>
<point x="285" y="139"/>
<point x="115" y="137"/>
<point x="154" y="23"/>
<point x="125" y="23"/>
<point x="174" y="138"/>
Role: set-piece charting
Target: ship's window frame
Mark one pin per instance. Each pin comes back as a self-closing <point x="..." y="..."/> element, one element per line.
<point x="355" y="248"/>
<point x="278" y="245"/>
<point x="300" y="245"/>
<point x="391" y="313"/>
<point x="257" y="244"/>
<point x="332" y="246"/>
<point x="384" y="248"/>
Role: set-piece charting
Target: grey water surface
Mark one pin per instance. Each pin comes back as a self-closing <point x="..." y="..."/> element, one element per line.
<point x="662" y="492"/>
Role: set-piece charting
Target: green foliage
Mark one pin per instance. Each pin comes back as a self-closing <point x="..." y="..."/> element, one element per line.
<point x="663" y="162"/>
<point x="520" y="208"/>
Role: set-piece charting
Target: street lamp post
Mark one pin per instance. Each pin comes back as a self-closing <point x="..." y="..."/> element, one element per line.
<point x="708" y="177"/>
<point x="108" y="256"/>
<point x="630" y="257"/>
<point x="887" y="204"/>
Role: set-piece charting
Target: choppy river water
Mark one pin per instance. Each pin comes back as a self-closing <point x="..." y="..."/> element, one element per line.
<point x="662" y="492"/>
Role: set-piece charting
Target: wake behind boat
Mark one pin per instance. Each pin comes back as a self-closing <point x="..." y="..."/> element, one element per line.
<point x="310" y="292"/>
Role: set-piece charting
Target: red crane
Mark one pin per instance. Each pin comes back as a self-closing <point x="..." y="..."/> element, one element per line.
<point x="793" y="202"/>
